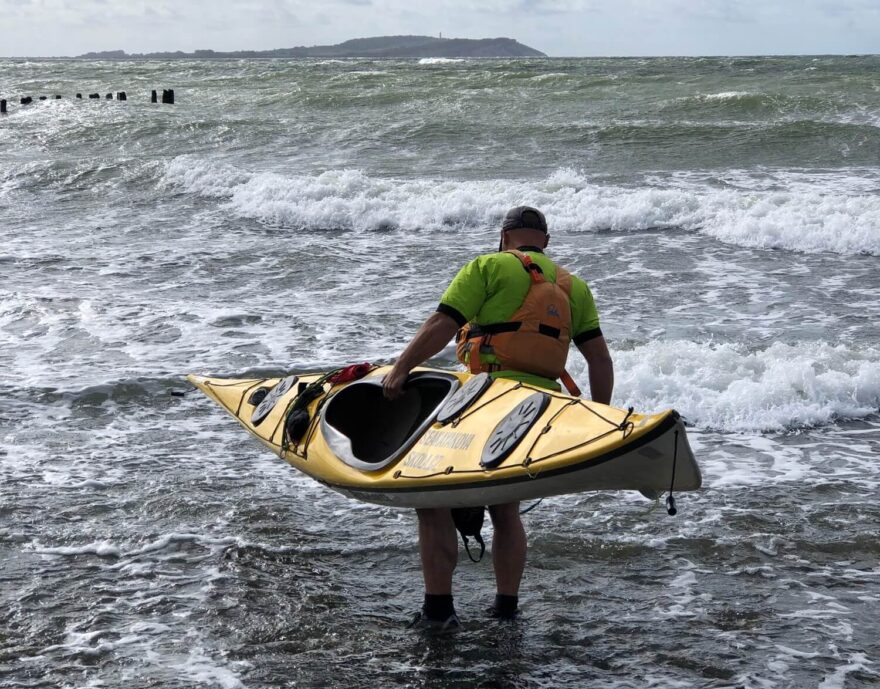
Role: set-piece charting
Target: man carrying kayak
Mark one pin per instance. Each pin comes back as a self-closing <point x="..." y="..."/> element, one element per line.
<point x="515" y="313"/>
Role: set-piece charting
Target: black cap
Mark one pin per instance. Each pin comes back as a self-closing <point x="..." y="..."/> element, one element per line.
<point x="524" y="217"/>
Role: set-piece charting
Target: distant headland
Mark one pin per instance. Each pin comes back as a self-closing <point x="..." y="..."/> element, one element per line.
<point x="378" y="47"/>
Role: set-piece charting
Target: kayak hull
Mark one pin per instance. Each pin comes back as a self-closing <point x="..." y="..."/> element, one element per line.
<point x="512" y="443"/>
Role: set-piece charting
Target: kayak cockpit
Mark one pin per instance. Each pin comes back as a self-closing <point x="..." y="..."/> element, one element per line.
<point x="367" y="431"/>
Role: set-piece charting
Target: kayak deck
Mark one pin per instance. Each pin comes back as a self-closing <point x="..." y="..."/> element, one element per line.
<point x="398" y="453"/>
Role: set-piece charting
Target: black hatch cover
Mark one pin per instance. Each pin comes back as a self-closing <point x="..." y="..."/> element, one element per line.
<point x="464" y="397"/>
<point x="265" y="407"/>
<point x="512" y="429"/>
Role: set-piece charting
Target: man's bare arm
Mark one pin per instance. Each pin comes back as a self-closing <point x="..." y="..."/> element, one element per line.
<point x="432" y="337"/>
<point x="601" y="368"/>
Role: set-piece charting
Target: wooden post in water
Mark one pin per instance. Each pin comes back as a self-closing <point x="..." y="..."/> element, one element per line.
<point x="42" y="97"/>
<point x="94" y="96"/>
<point x="79" y="96"/>
<point x="109" y="96"/>
<point x="57" y="97"/>
<point x="168" y="96"/>
<point x="27" y="100"/>
<point x="120" y="95"/>
<point x="153" y="97"/>
<point x="2" y="106"/>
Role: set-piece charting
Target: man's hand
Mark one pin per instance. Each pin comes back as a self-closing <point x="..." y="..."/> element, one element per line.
<point x="431" y="338"/>
<point x="393" y="382"/>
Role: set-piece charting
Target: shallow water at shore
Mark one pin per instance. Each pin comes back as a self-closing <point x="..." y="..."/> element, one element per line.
<point x="303" y="215"/>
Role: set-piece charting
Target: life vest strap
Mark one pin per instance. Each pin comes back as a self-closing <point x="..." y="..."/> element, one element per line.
<point x="513" y="326"/>
<point x="493" y="328"/>
<point x="569" y="384"/>
<point x="533" y="269"/>
<point x="476" y="346"/>
<point x="544" y="356"/>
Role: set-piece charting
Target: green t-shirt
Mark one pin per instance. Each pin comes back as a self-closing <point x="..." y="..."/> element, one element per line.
<point x="492" y="287"/>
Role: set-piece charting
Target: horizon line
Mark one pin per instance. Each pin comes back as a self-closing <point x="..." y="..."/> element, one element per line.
<point x="188" y="56"/>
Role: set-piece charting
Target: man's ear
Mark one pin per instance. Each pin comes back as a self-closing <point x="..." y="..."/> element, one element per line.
<point x="546" y="241"/>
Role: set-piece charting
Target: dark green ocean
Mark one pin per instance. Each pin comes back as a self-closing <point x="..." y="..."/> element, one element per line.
<point x="291" y="215"/>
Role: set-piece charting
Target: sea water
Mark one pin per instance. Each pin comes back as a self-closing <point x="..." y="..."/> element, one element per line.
<point x="301" y="215"/>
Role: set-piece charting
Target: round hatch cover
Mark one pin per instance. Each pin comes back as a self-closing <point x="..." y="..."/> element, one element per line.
<point x="512" y="429"/>
<point x="265" y="407"/>
<point x="464" y="397"/>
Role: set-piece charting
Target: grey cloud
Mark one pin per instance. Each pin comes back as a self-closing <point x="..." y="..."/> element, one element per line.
<point x="854" y="7"/>
<point x="551" y="7"/>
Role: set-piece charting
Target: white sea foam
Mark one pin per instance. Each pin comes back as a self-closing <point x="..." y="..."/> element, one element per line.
<point x="790" y="214"/>
<point x="439" y="60"/>
<point x="109" y="550"/>
<point x="856" y="662"/>
<point x="549" y="76"/>
<point x="99" y="548"/>
<point x="728" y="387"/>
<point x="726" y="96"/>
<point x="202" y="669"/>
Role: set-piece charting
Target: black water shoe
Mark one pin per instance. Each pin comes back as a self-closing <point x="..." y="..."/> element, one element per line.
<point x="421" y="622"/>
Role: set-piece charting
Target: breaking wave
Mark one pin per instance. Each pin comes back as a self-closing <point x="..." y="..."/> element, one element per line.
<point x="793" y="212"/>
<point x="729" y="387"/>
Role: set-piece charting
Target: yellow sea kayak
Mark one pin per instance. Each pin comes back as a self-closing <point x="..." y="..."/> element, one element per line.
<point x="456" y="440"/>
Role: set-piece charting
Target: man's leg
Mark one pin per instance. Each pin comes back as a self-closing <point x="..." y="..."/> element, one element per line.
<point x="438" y="548"/>
<point x="508" y="556"/>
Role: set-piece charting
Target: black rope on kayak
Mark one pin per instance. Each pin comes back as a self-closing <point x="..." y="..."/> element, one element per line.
<point x="300" y="402"/>
<point x="303" y="400"/>
<point x="526" y="463"/>
<point x="671" y="509"/>
<point x="548" y="427"/>
<point x="446" y="472"/>
<point x="553" y="395"/>
<point x="529" y="460"/>
<point x="622" y="426"/>
<point x="473" y="410"/>
<point x="595" y="413"/>
<point x="534" y="460"/>
<point x="531" y="507"/>
<point x="626" y="424"/>
<point x="246" y="394"/>
<point x="315" y="421"/>
<point x="235" y="383"/>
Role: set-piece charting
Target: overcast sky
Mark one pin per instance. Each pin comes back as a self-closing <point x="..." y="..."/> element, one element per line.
<point x="556" y="27"/>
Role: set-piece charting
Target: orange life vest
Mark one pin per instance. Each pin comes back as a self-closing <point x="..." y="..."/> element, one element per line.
<point x="535" y="339"/>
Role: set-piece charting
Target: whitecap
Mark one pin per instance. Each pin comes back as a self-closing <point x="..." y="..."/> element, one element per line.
<point x="795" y="211"/>
<point x="733" y="388"/>
<point x="439" y="60"/>
<point x="727" y="96"/>
<point x="99" y="548"/>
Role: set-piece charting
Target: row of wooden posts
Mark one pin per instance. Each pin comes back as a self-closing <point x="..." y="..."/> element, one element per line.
<point x="167" y="97"/>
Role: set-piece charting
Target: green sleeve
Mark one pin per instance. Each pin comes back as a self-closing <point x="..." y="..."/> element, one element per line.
<point x="584" y="317"/>
<point x="467" y="291"/>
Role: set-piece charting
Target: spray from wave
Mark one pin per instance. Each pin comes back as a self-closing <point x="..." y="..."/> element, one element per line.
<point x="789" y="214"/>
<point x="731" y="388"/>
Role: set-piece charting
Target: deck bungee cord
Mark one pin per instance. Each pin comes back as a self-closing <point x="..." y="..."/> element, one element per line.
<point x="450" y="441"/>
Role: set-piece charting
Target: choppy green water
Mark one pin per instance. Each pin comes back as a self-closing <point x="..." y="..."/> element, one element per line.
<point x="288" y="215"/>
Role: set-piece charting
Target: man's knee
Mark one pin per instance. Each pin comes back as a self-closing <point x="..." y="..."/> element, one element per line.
<point x="436" y="525"/>
<point x="434" y="516"/>
<point x="505" y="516"/>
